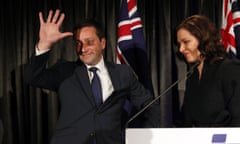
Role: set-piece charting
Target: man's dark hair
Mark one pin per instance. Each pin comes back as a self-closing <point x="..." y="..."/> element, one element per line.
<point x="89" y="23"/>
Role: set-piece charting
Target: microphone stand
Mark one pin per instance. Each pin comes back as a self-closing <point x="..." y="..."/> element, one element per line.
<point x="163" y="93"/>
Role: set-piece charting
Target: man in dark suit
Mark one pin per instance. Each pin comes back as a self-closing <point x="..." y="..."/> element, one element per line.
<point x="82" y="120"/>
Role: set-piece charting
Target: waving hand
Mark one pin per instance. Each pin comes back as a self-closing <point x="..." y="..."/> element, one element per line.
<point x="49" y="30"/>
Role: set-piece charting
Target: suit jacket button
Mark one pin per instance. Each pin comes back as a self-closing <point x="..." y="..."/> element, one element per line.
<point x="92" y="134"/>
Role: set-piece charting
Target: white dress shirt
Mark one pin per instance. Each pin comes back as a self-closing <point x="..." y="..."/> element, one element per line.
<point x="106" y="83"/>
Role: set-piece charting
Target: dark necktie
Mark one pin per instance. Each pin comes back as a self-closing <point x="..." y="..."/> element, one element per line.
<point x="96" y="86"/>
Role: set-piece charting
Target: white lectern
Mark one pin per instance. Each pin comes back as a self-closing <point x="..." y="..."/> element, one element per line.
<point x="183" y="136"/>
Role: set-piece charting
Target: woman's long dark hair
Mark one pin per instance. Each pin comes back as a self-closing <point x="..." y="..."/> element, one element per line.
<point x="210" y="45"/>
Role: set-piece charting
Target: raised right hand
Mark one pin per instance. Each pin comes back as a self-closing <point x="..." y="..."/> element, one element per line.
<point x="49" y="31"/>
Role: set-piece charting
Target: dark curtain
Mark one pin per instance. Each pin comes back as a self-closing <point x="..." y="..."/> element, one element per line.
<point x="28" y="115"/>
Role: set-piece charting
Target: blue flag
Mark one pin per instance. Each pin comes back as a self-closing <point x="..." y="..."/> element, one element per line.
<point x="231" y="27"/>
<point x="131" y="50"/>
<point x="131" y="43"/>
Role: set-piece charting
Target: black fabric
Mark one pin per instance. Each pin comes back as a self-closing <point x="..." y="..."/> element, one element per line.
<point x="212" y="100"/>
<point x="80" y="120"/>
<point x="29" y="114"/>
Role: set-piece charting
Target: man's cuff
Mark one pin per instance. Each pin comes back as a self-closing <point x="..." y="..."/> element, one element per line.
<point x="39" y="52"/>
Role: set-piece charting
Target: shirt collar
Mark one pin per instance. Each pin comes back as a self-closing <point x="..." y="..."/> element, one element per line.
<point x="100" y="65"/>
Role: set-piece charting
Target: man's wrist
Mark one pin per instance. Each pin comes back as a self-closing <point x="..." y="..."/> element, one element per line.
<point x="38" y="51"/>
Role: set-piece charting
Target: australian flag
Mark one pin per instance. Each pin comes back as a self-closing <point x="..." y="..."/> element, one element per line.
<point x="231" y="27"/>
<point x="131" y="48"/>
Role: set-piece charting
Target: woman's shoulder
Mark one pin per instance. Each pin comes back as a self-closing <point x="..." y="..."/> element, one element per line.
<point x="230" y="68"/>
<point x="228" y="64"/>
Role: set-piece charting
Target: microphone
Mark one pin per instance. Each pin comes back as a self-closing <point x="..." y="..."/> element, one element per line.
<point x="188" y="74"/>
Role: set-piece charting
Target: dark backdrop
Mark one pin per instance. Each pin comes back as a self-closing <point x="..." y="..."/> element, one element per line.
<point x="29" y="115"/>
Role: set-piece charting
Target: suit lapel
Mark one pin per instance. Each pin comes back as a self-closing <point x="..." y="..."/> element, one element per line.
<point x="118" y="92"/>
<point x="114" y="76"/>
<point x="83" y="79"/>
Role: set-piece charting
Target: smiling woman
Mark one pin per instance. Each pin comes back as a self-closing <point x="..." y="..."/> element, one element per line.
<point x="212" y="92"/>
<point x="188" y="45"/>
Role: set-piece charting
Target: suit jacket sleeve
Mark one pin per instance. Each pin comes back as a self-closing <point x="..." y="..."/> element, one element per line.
<point x="140" y="97"/>
<point x="231" y="90"/>
<point x="39" y="75"/>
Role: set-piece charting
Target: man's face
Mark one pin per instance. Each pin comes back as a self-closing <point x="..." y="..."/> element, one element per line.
<point x="89" y="45"/>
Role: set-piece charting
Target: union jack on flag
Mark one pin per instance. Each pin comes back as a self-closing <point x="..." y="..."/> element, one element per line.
<point x="131" y="47"/>
<point x="129" y="29"/>
<point x="131" y="50"/>
<point x="230" y="30"/>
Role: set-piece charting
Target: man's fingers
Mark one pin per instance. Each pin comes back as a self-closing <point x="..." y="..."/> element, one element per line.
<point x="66" y="34"/>
<point x="59" y="23"/>
<point x="41" y="18"/>
<point x="52" y="18"/>
<point x="49" y="16"/>
<point x="55" y="17"/>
